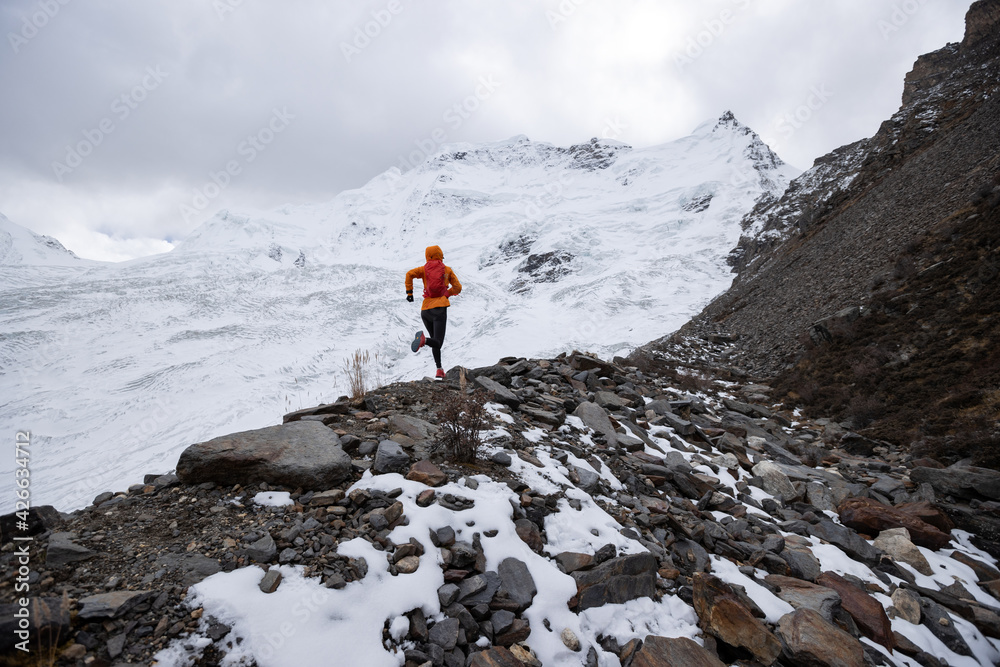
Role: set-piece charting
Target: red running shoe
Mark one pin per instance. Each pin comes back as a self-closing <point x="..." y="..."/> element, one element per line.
<point x="418" y="341"/>
<point x="440" y="374"/>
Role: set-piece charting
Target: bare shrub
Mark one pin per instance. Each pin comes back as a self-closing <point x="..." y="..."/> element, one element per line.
<point x="461" y="418"/>
<point x="364" y="372"/>
<point x="865" y="409"/>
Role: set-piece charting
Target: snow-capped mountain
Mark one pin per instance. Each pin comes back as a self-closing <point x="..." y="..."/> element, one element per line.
<point x="115" y="368"/>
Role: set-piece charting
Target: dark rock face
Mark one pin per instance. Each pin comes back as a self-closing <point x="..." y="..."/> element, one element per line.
<point x="617" y="580"/>
<point x="961" y="482"/>
<point x="723" y="614"/>
<point x="299" y="454"/>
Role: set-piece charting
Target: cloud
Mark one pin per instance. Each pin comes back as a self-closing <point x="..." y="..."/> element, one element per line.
<point x="162" y="94"/>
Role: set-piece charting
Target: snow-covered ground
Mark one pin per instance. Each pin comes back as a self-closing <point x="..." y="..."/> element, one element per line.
<point x="115" y="368"/>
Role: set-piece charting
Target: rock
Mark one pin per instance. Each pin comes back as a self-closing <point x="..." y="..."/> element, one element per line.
<point x="928" y="513"/>
<point x="723" y="614"/>
<point x="481" y="592"/>
<point x="545" y="416"/>
<point x="850" y="542"/>
<point x="47" y="617"/>
<point x="445" y="633"/>
<point x="609" y="400"/>
<point x="116" y="645"/>
<point x="690" y="556"/>
<point x="516" y="582"/>
<point x="588" y="479"/>
<point x="427" y="473"/>
<point x="812" y="641"/>
<point x="907" y="604"/>
<point x="502" y="619"/>
<point x="341" y="407"/>
<point x="570" y="640"/>
<point x="803" y="595"/>
<point x="327" y="498"/>
<point x="983" y="571"/>
<point x="529" y="534"/>
<point x="595" y="417"/>
<point x="497" y="656"/>
<point x="263" y="550"/>
<point x="501" y="458"/>
<point x="110" y="605"/>
<point x="270" y="582"/>
<point x="673" y="652"/>
<point x="616" y="581"/>
<point x="570" y="561"/>
<point x="867" y="515"/>
<point x="390" y="457"/>
<point x="62" y="550"/>
<point x="501" y="394"/>
<point x="866" y="611"/>
<point x="960" y="481"/>
<point x="896" y="542"/>
<point x="298" y="454"/>
<point x="518" y="632"/>
<point x="801" y="563"/>
<point x="408" y="564"/>
<point x="412" y="427"/>
<point x="774" y="480"/>
<point x="447" y="594"/>
<point x="937" y="619"/>
<point x="680" y="426"/>
<point x="193" y="566"/>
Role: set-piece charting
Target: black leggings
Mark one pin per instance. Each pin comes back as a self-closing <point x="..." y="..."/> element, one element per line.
<point x="435" y="321"/>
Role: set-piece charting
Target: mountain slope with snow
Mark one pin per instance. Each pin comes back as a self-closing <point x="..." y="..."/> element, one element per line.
<point x="598" y="246"/>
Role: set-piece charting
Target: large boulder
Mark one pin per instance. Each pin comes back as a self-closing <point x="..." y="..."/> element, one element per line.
<point x="804" y="595"/>
<point x="867" y="612"/>
<point x="722" y="614"/>
<point x="616" y="581"/>
<point x="812" y="641"/>
<point x="673" y="652"/>
<point x="390" y="457"/>
<point x="896" y="542"/>
<point x="867" y="515"/>
<point x="594" y="416"/>
<point x="960" y="481"/>
<point x="303" y="454"/>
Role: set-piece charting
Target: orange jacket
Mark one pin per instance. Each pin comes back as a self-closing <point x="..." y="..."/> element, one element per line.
<point x="434" y="252"/>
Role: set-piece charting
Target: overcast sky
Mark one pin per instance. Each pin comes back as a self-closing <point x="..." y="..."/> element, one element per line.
<point x="116" y="113"/>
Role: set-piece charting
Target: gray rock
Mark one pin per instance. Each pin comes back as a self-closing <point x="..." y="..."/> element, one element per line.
<point x="774" y="480"/>
<point x="887" y="486"/>
<point x="110" y="605"/>
<point x="501" y="458"/>
<point x="501" y="394"/>
<point x="297" y="454"/>
<point x="390" y="457"/>
<point x="448" y="594"/>
<point x="516" y="582"/>
<point x="588" y="479"/>
<point x="270" y="582"/>
<point x="483" y="595"/>
<point x="445" y="633"/>
<point x="960" y="481"/>
<point x="116" y="645"/>
<point x="681" y="426"/>
<point x="660" y="407"/>
<point x="502" y="620"/>
<point x="103" y="498"/>
<point x="62" y="550"/>
<point x="850" y="542"/>
<point x="937" y="619"/>
<point x="803" y="595"/>
<point x="896" y="542"/>
<point x="594" y="416"/>
<point x="616" y="581"/>
<point x="193" y="567"/>
<point x="287" y="556"/>
<point x="263" y="550"/>
<point x="607" y="399"/>
<point x="802" y="563"/>
<point x="412" y="427"/>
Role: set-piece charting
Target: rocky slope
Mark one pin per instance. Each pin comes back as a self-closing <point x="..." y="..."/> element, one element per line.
<point x="612" y="518"/>
<point x="838" y="231"/>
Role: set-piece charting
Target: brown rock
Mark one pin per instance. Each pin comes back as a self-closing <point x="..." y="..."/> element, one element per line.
<point x="863" y="608"/>
<point x="983" y="571"/>
<point x="867" y="515"/>
<point x="570" y="561"/>
<point x="427" y="473"/>
<point x="928" y="513"/>
<point x="811" y="641"/>
<point x="529" y="534"/>
<point x="425" y="498"/>
<point x="497" y="656"/>
<point x="673" y="652"/>
<point x="518" y="632"/>
<point x="722" y="614"/>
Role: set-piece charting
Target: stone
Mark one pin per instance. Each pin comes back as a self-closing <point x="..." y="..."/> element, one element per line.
<point x="588" y="479"/>
<point x="866" y="611"/>
<point x="516" y="582"/>
<point x="928" y="512"/>
<point x="907" y="604"/>
<point x="116" y="645"/>
<point x="427" y="473"/>
<point x="570" y="561"/>
<point x="529" y="534"/>
<point x="270" y="582"/>
<point x="483" y="595"/>
<point x="110" y="605"/>
<point x="263" y="550"/>
<point x="327" y="498"/>
<point x="983" y="571"/>
<point x="850" y="542"/>
<point x="936" y="618"/>
<point x="518" y="632"/>
<point x="867" y="515"/>
<point x="804" y="595"/>
<point x="501" y="394"/>
<point x="896" y="542"/>
<point x="608" y="399"/>
<point x="193" y="566"/>
<point x="298" y="454"/>
<point x="594" y="416"/>
<point x="502" y="619"/>
<point x="444" y="633"/>
<point x="570" y="640"/>
<point x="447" y="594"/>
<point x="680" y="426"/>
<point x="811" y="641"/>
<point x="408" y="564"/>
<point x="62" y="550"/>
<point x="774" y="481"/>
<point x="412" y="427"/>
<point x="341" y="407"/>
<point x="501" y="458"/>
<point x="389" y="458"/>
<point x="801" y="563"/>
<point x="723" y="614"/>
<point x="616" y="581"/>
<point x="960" y="481"/>
<point x="673" y="652"/>
<point x="498" y="656"/>
<point x="690" y="557"/>
<point x="524" y="654"/>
